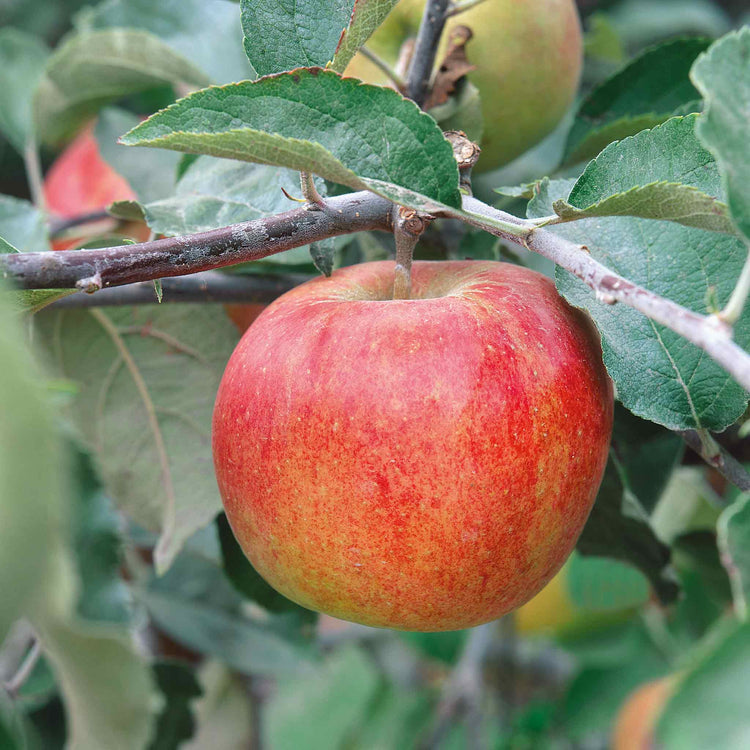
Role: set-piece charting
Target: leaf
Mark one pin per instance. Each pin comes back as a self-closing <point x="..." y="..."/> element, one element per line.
<point x="647" y="456"/>
<point x="203" y="31"/>
<point x="366" y="16"/>
<point x="90" y="70"/>
<point x="152" y="175"/>
<point x="723" y="77"/>
<point x="246" y="580"/>
<point x="285" y="34"/>
<point x="719" y="682"/>
<point x="733" y="531"/>
<point x="176" y="723"/>
<point x="22" y="60"/>
<point x="319" y="712"/>
<point x="659" y="376"/>
<point x="600" y="585"/>
<point x="362" y="136"/>
<point x="611" y="533"/>
<point x="96" y="546"/>
<point x="643" y="94"/>
<point x="662" y="173"/>
<point x="195" y="604"/>
<point x="147" y="380"/>
<point x="31" y="499"/>
<point x="322" y="256"/>
<point x="215" y="193"/>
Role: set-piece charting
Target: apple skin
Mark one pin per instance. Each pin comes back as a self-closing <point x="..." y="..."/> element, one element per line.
<point x="528" y="56"/>
<point x="636" y="722"/>
<point x="422" y="464"/>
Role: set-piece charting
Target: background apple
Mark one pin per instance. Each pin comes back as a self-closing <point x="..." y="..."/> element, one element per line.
<point x="528" y="57"/>
<point x="636" y="722"/>
<point x="422" y="464"/>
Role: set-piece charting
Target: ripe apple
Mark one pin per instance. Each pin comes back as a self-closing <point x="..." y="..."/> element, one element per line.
<point x="528" y="57"/>
<point x="422" y="464"/>
<point x="637" y="719"/>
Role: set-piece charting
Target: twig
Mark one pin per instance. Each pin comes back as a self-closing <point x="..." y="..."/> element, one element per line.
<point x="425" y="50"/>
<point x="15" y="683"/>
<point x="407" y="229"/>
<point x="463" y="690"/>
<point x="456" y="8"/>
<point x="378" y="61"/>
<point x="34" y="173"/>
<point x="721" y="460"/>
<point x="178" y="256"/>
<point x="731" y="313"/>
<point x="205" y="287"/>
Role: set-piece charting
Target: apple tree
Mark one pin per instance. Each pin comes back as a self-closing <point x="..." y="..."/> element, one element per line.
<point x="570" y="478"/>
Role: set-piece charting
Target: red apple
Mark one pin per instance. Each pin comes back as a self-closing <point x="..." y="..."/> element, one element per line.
<point x="422" y="464"/>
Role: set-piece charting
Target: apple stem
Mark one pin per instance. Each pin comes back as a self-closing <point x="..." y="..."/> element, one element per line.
<point x="408" y="226"/>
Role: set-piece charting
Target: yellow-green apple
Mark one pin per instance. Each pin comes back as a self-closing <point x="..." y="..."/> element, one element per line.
<point x="422" y="464"/>
<point x="528" y="57"/>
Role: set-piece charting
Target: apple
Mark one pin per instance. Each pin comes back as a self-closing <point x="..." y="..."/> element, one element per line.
<point x="423" y="464"/>
<point x="637" y="719"/>
<point x="528" y="57"/>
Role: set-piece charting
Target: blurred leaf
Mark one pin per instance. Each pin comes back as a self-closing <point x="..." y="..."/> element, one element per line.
<point x="643" y="94"/>
<point x="647" y="454"/>
<point x="195" y="604"/>
<point x="222" y="716"/>
<point x="596" y="694"/>
<point x="147" y="377"/>
<point x="206" y="32"/>
<point x="151" y="174"/>
<point x="247" y="580"/>
<point x="734" y="542"/>
<point x="176" y="722"/>
<point x="215" y="193"/>
<point x="444" y="647"/>
<point x="22" y="60"/>
<point x="284" y="36"/>
<point x="322" y="256"/>
<point x="39" y="688"/>
<point x="711" y="704"/>
<point x="366" y="16"/>
<point x="602" y="41"/>
<point x="601" y="585"/>
<point x="31" y="480"/>
<point x="22" y="225"/>
<point x="662" y="173"/>
<point x="104" y="597"/>
<point x="659" y="375"/>
<point x="366" y="137"/>
<point x="723" y="76"/>
<point x="610" y="533"/>
<point x="320" y="712"/>
<point x="90" y="70"/>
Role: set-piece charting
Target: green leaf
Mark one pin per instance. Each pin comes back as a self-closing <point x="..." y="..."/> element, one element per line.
<point x="662" y="173"/>
<point x="215" y="193"/>
<point x="733" y="531"/>
<point x="176" y="723"/>
<point x="645" y="93"/>
<point x="90" y="70"/>
<point x="147" y="380"/>
<point x="205" y="32"/>
<point x="289" y="34"/>
<point x="247" y="580"/>
<point x="723" y="76"/>
<point x="322" y="255"/>
<point x="366" y="16"/>
<point x="22" y="60"/>
<point x="659" y="375"/>
<point x="152" y="175"/>
<point x="600" y="585"/>
<point x="365" y="137"/>
<point x="96" y="545"/>
<point x="319" y="712"/>
<point x="196" y="605"/>
<point x="610" y="533"/>
<point x="31" y="497"/>
<point x="718" y="683"/>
